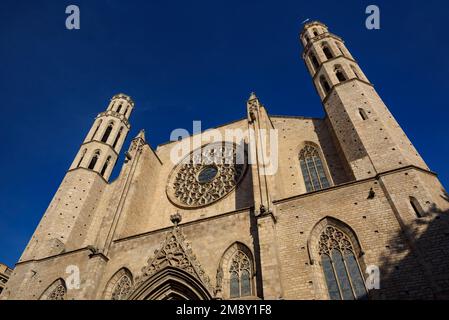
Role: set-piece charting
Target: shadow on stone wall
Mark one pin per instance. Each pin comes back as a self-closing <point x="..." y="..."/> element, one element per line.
<point x="422" y="271"/>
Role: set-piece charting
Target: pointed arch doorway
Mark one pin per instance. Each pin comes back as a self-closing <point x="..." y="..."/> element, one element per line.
<point x="171" y="284"/>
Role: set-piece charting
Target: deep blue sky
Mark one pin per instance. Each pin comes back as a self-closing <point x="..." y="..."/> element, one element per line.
<point x="192" y="60"/>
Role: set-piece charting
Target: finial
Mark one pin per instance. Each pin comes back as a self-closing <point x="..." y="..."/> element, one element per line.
<point x="176" y="218"/>
<point x="141" y="135"/>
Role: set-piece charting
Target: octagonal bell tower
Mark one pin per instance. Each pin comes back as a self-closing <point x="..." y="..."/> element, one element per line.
<point x="369" y="137"/>
<point x="100" y="149"/>
<point x="66" y="222"/>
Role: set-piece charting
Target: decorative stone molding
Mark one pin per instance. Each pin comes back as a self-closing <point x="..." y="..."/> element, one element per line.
<point x="124" y="97"/>
<point x="332" y="238"/>
<point x="119" y="286"/>
<point x="236" y="258"/>
<point x="56" y="291"/>
<point x="116" y="115"/>
<point x="175" y="252"/>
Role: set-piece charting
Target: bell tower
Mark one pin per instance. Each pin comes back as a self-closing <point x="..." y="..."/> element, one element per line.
<point x="100" y="149"/>
<point x="368" y="135"/>
<point x="66" y="222"/>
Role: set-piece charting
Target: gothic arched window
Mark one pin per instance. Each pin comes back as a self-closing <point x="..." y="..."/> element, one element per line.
<point x="82" y="157"/>
<point x="340" y="48"/>
<point x="96" y="129"/>
<point x="240" y="275"/>
<point x="355" y="72"/>
<point x="117" y="138"/>
<point x="306" y="38"/>
<point x="107" y="133"/>
<point x="57" y="291"/>
<point x="119" y="286"/>
<point x="312" y="169"/>
<point x="315" y="32"/>
<point x="94" y="160"/>
<point x="339" y="73"/>
<point x="314" y="61"/>
<point x="119" y="108"/>
<point x="122" y="288"/>
<point x="340" y="266"/>
<point x="327" y="52"/>
<point x="419" y="212"/>
<point x="105" y="166"/>
<point x="325" y="84"/>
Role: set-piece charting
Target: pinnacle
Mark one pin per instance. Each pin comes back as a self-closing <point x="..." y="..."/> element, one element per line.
<point x="141" y="134"/>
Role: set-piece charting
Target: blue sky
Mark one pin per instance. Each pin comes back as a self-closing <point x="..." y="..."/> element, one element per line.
<point x="192" y="60"/>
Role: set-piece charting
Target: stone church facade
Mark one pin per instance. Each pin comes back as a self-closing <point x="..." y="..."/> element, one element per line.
<point x="350" y="195"/>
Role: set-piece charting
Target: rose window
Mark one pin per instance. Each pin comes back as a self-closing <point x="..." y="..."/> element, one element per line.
<point x="207" y="175"/>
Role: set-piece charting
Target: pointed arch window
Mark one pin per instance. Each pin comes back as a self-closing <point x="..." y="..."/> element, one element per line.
<point x="105" y="166"/>
<point x="119" y="286"/>
<point x="240" y="276"/>
<point x="82" y="157"/>
<point x="314" y="61"/>
<point x="117" y="138"/>
<point x="57" y="291"/>
<point x="341" y="269"/>
<point x="416" y="206"/>
<point x="312" y="169"/>
<point x="119" y="108"/>
<point x="306" y="38"/>
<point x="94" y="160"/>
<point x="327" y="51"/>
<point x="340" y="48"/>
<point x="107" y="133"/>
<point x="325" y="85"/>
<point x="96" y="129"/>
<point x="122" y="288"/>
<point x="339" y="73"/>
<point x="315" y="32"/>
<point x="356" y="73"/>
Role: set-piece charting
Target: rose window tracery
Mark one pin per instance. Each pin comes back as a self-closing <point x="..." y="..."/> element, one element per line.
<point x="207" y="175"/>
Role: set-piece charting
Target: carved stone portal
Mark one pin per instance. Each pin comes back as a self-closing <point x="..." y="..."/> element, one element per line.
<point x="177" y="253"/>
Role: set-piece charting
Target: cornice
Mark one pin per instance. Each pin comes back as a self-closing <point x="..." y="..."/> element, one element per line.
<point x="319" y="38"/>
<point x="162" y="230"/>
<point x="82" y="168"/>
<point x="355" y="182"/>
<point x="125" y="97"/>
<point x="65" y="254"/>
<point x="317" y="72"/>
<point x="111" y="113"/>
<point x="100" y="142"/>
<point x="343" y="83"/>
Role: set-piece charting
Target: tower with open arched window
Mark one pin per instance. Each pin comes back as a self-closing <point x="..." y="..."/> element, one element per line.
<point x="371" y="143"/>
<point x="105" y="139"/>
<point x="286" y="207"/>
<point x="67" y="219"/>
